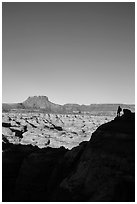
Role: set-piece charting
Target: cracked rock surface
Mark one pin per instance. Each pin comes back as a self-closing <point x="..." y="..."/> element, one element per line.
<point x="51" y="130"/>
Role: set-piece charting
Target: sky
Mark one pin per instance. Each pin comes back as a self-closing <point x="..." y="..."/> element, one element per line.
<point x="72" y="52"/>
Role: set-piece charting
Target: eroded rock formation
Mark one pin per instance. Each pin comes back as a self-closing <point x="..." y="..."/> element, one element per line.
<point x="102" y="169"/>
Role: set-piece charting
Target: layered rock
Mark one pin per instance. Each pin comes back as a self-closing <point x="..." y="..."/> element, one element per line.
<point x="52" y="130"/>
<point x="101" y="170"/>
<point x="42" y="103"/>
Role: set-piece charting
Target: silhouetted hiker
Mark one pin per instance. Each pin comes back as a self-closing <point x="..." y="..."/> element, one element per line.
<point x="118" y="111"/>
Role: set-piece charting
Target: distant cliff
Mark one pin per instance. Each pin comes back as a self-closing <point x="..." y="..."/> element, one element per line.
<point x="43" y="103"/>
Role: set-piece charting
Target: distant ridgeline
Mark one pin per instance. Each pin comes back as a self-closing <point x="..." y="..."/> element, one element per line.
<point x="42" y="104"/>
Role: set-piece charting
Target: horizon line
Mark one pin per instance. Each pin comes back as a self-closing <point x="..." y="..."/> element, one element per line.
<point x="97" y="103"/>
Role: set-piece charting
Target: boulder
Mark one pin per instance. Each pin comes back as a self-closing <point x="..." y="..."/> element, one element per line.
<point x="7" y="131"/>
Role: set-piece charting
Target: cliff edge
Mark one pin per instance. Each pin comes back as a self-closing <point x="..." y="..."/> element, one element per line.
<point x="101" y="170"/>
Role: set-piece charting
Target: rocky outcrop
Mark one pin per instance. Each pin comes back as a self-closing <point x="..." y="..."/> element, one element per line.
<point x="41" y="102"/>
<point x="105" y="169"/>
<point x="52" y="130"/>
<point x="101" y="170"/>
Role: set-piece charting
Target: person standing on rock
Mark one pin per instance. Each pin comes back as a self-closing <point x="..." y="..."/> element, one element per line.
<point x="118" y="111"/>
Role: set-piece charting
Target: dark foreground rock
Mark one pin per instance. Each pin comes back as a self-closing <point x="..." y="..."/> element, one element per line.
<point x="101" y="170"/>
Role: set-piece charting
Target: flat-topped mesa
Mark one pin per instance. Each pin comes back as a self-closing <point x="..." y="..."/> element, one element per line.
<point x="37" y="98"/>
<point x="37" y="102"/>
<point x="41" y="103"/>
